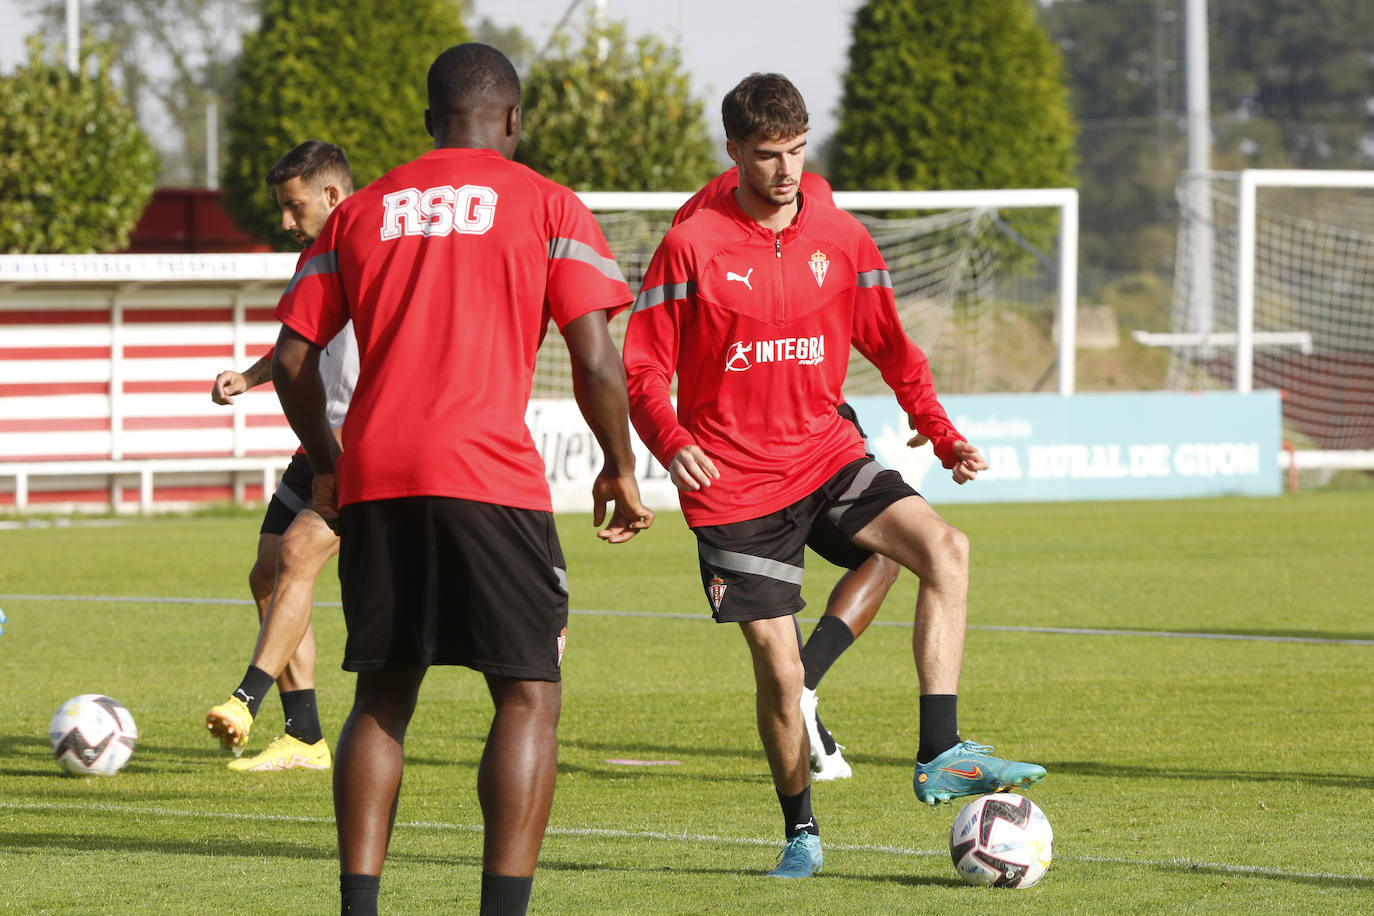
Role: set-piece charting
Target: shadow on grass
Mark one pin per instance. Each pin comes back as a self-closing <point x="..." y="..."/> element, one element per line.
<point x="1099" y="769"/>
<point x="1228" y="634"/>
<point x="764" y="862"/>
<point x="201" y="846"/>
<point x="628" y="750"/>
<point x="1314" y="880"/>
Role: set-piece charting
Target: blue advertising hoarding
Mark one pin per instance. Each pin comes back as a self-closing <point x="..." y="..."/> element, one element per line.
<point x="1044" y="447"/>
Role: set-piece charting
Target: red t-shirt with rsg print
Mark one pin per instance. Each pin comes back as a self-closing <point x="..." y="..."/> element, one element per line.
<point x="450" y="267"/>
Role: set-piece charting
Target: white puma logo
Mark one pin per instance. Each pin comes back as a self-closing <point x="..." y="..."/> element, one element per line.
<point x="731" y="275"/>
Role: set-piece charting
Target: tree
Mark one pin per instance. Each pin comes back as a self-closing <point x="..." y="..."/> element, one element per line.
<point x="1121" y="63"/>
<point x="615" y="115"/>
<point x="1291" y="81"/>
<point x="1299" y="72"/>
<point x="75" y="169"/>
<point x="354" y="78"/>
<point x="173" y="59"/>
<point x="950" y="94"/>
<point x="509" y="40"/>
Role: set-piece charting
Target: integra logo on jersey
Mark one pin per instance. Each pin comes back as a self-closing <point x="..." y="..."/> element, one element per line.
<point x="804" y="351"/>
<point x="469" y="210"/>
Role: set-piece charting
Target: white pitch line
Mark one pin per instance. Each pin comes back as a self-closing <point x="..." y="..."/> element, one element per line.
<point x="607" y="833"/>
<point x="668" y="615"/>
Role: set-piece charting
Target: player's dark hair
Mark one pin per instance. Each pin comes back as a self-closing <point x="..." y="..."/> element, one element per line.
<point x="764" y="106"/>
<point x="472" y="76"/>
<point x="316" y="163"/>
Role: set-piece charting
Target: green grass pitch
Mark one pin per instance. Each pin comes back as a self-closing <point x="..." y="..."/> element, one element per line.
<point x="1199" y="688"/>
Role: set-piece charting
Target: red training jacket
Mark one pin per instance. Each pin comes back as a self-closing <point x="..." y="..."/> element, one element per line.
<point x="757" y="326"/>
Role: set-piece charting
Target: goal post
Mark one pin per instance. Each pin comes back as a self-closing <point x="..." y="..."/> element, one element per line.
<point x="951" y="271"/>
<point x="1292" y="255"/>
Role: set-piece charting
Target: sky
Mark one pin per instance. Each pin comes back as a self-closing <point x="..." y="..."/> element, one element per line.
<point x="720" y="41"/>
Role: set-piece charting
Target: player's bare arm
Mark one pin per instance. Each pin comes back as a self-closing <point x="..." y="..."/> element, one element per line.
<point x="599" y="387"/>
<point x="691" y="469"/>
<point x="296" y="375"/>
<point x="230" y="383"/>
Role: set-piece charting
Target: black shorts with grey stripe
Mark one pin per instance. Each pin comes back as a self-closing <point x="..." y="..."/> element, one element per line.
<point x="430" y="580"/>
<point x="752" y="570"/>
<point x="293" y="494"/>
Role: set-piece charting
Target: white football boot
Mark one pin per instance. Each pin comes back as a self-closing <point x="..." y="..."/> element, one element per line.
<point x="823" y="766"/>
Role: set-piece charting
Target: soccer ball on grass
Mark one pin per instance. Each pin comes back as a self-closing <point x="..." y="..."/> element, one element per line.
<point x="1001" y="840"/>
<point x="92" y="735"/>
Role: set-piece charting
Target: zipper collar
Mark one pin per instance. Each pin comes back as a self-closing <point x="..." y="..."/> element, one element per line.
<point x="753" y="228"/>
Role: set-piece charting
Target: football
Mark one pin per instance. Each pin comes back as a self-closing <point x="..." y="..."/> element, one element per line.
<point x="92" y="735"/>
<point x="1001" y="840"/>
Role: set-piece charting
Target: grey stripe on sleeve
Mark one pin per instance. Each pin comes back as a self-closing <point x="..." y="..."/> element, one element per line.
<point x="651" y="296"/>
<point x="326" y="262"/>
<point x="573" y="250"/>
<point x="758" y="566"/>
<point x="875" y="278"/>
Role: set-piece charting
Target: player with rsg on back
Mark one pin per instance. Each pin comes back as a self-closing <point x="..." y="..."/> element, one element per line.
<point x="450" y="267"/>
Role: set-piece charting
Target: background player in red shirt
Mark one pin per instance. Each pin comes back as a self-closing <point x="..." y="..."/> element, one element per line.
<point x="753" y="304"/>
<point x="451" y="267"/>
<point x="294" y="542"/>
<point x="857" y="597"/>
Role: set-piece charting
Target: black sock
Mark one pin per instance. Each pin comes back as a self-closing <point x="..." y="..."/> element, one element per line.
<point x="302" y="718"/>
<point x="504" y="895"/>
<point x="358" y="894"/>
<point x="939" y="725"/>
<point x="797" y="815"/>
<point x="828" y="641"/>
<point x="254" y="687"/>
<point x="827" y="739"/>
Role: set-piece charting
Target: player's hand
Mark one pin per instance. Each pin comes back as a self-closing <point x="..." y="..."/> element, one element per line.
<point x="691" y="469"/>
<point x="630" y="515"/>
<point x="971" y="461"/>
<point x="227" y="384"/>
<point x="917" y="440"/>
<point x="325" y="499"/>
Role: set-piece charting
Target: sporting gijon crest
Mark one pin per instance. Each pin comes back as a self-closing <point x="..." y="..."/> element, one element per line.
<point x="820" y="265"/>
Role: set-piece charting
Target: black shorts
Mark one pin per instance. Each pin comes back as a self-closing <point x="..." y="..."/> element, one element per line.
<point x="752" y="570"/>
<point x="437" y="581"/>
<point x="294" y="493"/>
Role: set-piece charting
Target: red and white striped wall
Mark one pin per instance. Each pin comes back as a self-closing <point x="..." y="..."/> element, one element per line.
<point x="106" y="362"/>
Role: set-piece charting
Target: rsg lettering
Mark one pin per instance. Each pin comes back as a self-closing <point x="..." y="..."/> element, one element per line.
<point x="469" y="210"/>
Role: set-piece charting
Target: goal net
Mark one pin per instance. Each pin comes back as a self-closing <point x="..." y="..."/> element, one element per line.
<point x="979" y="297"/>
<point x="1274" y="288"/>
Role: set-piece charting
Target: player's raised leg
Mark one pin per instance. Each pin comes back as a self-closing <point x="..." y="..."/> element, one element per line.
<point x="232" y="720"/>
<point x="286" y="648"/>
<point x="912" y="533"/>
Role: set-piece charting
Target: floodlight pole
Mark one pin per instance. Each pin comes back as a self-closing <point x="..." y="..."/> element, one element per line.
<point x="1199" y="232"/>
<point x="212" y="144"/>
<point x="73" y="35"/>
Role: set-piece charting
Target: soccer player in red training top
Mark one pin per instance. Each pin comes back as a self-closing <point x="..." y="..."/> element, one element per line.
<point x="294" y="542"/>
<point x="857" y="597"/>
<point x="753" y="303"/>
<point x="450" y="267"/>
